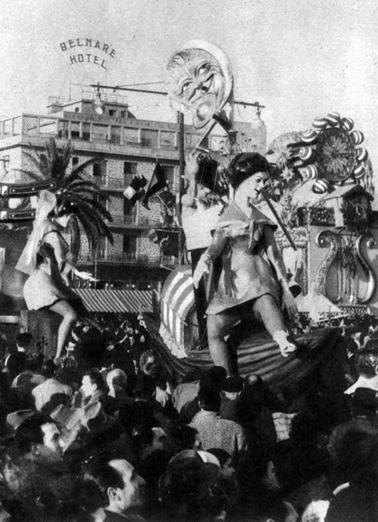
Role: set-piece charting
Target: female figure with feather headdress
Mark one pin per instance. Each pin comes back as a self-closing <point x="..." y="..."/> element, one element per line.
<point x="45" y="258"/>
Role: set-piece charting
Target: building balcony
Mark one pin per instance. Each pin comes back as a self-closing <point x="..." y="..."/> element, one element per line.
<point x="127" y="258"/>
<point x="136" y="136"/>
<point x="121" y="220"/>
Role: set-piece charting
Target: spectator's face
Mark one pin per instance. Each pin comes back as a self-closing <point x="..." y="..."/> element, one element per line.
<point x="87" y="387"/>
<point x="52" y="447"/>
<point x="197" y="445"/>
<point x="228" y="470"/>
<point x="132" y="493"/>
<point x="71" y="346"/>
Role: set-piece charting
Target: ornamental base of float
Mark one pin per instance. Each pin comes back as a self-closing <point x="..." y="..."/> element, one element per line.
<point x="318" y="361"/>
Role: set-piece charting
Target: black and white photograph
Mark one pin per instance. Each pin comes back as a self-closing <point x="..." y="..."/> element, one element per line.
<point x="189" y="261"/>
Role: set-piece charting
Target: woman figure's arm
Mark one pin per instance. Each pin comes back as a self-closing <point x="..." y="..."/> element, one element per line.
<point x="65" y="266"/>
<point x="212" y="252"/>
<point x="274" y="255"/>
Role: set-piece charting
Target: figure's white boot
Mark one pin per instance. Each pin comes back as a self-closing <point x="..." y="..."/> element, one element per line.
<point x="285" y="346"/>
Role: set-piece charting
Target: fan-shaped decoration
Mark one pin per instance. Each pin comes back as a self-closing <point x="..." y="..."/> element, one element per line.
<point x="330" y="154"/>
<point x="336" y="154"/>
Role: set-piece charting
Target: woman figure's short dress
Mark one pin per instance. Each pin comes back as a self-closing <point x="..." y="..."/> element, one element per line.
<point x="45" y="284"/>
<point x="246" y="273"/>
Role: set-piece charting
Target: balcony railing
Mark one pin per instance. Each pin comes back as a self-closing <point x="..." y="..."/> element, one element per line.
<point x="127" y="258"/>
<point x="135" y="133"/>
<point x="121" y="219"/>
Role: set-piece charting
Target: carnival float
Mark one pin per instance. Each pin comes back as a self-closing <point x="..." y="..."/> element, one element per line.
<point x="320" y="194"/>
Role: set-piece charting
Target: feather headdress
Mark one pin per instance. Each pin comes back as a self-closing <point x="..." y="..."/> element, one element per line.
<point x="75" y="194"/>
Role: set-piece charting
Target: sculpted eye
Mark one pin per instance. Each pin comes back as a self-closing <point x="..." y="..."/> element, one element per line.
<point x="204" y="69"/>
<point x="185" y="86"/>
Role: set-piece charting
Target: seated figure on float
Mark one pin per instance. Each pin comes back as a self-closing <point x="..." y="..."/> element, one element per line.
<point x="248" y="285"/>
<point x="45" y="259"/>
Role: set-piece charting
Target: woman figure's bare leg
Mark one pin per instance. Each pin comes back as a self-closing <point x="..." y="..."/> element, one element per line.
<point x="69" y="316"/>
<point x="217" y="327"/>
<point x="266" y="309"/>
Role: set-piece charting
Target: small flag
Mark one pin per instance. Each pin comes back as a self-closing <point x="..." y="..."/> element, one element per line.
<point x="135" y="190"/>
<point x="157" y="182"/>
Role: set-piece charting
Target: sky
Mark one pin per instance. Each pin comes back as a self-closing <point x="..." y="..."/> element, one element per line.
<point x="299" y="58"/>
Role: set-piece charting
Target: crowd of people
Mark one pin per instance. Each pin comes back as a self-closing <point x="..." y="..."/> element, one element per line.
<point x="110" y="435"/>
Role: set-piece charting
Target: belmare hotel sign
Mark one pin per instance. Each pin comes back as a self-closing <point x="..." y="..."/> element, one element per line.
<point x="88" y="50"/>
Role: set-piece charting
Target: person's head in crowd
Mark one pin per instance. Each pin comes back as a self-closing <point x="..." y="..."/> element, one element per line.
<point x="38" y="438"/>
<point x="71" y="346"/>
<point x="367" y="362"/>
<point x="182" y="437"/>
<point x="95" y="419"/>
<point x="119" y="488"/>
<point x="69" y="375"/>
<point x="92" y="383"/>
<point x="149" y="440"/>
<point x="48" y="369"/>
<point x="304" y="428"/>
<point x="358" y="501"/>
<point x="187" y="487"/>
<point x="116" y="380"/>
<point x="227" y="469"/>
<point x="232" y="388"/>
<point x="55" y="400"/>
<point x="144" y="387"/>
<point x="24" y="340"/>
<point x="148" y="363"/>
<point x="351" y="454"/>
<point x="214" y="378"/>
<point x="209" y="399"/>
<point x="258" y="474"/>
<point x="91" y="349"/>
<point x="363" y="403"/>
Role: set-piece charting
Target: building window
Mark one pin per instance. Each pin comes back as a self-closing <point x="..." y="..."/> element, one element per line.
<point x="99" y="170"/>
<point x="5" y="159"/>
<point x="86" y="131"/>
<point x="123" y="114"/>
<point x="77" y="109"/>
<point x="100" y="133"/>
<point x="75" y="129"/>
<point x="130" y="135"/>
<point x="129" y="210"/>
<point x="112" y="112"/>
<point x="115" y="135"/>
<point x="150" y="138"/>
<point x="75" y="161"/>
<point x="129" y="245"/>
<point x="129" y="171"/>
<point x="167" y="140"/>
<point x="169" y="173"/>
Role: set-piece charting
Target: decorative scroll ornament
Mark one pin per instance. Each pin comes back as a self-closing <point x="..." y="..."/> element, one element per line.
<point x="329" y="154"/>
<point x="346" y="254"/>
<point x="199" y="81"/>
